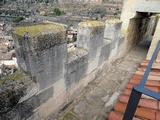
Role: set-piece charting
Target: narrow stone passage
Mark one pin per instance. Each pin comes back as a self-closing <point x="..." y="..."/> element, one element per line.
<point x="100" y="96"/>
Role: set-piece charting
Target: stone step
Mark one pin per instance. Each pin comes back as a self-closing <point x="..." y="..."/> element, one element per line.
<point x="143" y="68"/>
<point x="148" y="83"/>
<point x="154" y="66"/>
<point x="140" y="111"/>
<point x="145" y="61"/>
<point x="117" y="116"/>
<point x="146" y="103"/>
<point x="148" y="107"/>
<point x="153" y="73"/>
<point x="153" y="88"/>
<point x="150" y="77"/>
<point x="127" y="92"/>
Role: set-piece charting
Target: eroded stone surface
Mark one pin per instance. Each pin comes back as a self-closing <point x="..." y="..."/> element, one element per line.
<point x="107" y="87"/>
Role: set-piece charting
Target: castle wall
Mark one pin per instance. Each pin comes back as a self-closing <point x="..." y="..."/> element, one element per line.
<point x="58" y="75"/>
<point x="133" y="15"/>
<point x="155" y="40"/>
<point x="147" y="6"/>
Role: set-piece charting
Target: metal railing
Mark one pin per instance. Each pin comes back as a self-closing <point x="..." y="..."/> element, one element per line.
<point x="140" y="89"/>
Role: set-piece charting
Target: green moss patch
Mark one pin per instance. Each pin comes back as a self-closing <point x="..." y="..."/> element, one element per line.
<point x="91" y="23"/>
<point x="113" y="20"/>
<point x="38" y="29"/>
<point x="15" y="76"/>
<point x="70" y="116"/>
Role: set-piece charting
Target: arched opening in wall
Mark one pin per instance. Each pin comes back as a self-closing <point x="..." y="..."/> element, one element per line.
<point x="141" y="27"/>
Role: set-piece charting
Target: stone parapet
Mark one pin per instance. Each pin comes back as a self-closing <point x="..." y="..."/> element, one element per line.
<point x="42" y="52"/>
<point x="59" y="75"/>
<point x="90" y="34"/>
<point x="112" y="28"/>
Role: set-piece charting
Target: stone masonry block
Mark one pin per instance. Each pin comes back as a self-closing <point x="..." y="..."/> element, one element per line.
<point x="112" y="28"/>
<point x="121" y="40"/>
<point x="46" y="58"/>
<point x="34" y="40"/>
<point x="92" y="65"/>
<point x="105" y="52"/>
<point x="155" y="39"/>
<point x="42" y="60"/>
<point x="76" y="59"/>
<point x="105" y="49"/>
<point x="39" y="37"/>
<point x="51" y="75"/>
<point x="94" y="53"/>
<point x="71" y="78"/>
<point x="26" y="108"/>
<point x="90" y="34"/>
<point x="59" y="87"/>
<point x="81" y="72"/>
<point x="71" y="67"/>
<point x="90" y="43"/>
<point x="11" y="115"/>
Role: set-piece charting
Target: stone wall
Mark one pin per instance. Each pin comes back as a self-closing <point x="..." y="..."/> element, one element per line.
<point x="155" y="40"/>
<point x="57" y="75"/>
<point x="134" y="13"/>
<point x="147" y="6"/>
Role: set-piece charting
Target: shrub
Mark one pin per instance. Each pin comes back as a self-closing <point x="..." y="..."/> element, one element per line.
<point x="17" y="19"/>
<point x="57" y="11"/>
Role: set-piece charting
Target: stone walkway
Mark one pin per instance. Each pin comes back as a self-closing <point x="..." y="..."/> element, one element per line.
<point x="101" y="95"/>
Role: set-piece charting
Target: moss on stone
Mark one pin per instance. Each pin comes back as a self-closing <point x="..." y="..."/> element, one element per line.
<point x="70" y="116"/>
<point x="113" y="20"/>
<point x="38" y="29"/>
<point x="91" y="23"/>
<point x="15" y="76"/>
<point x="1" y="81"/>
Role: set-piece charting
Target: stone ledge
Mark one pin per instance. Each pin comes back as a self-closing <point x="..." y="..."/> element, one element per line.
<point x="91" y="23"/>
<point x="36" y="30"/>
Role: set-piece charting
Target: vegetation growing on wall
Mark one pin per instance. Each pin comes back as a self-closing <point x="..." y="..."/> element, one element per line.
<point x="17" y="19"/>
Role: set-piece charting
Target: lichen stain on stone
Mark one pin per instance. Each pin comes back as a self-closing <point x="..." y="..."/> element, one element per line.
<point x="113" y="20"/>
<point x="15" y="76"/>
<point x="70" y="116"/>
<point x="12" y="88"/>
<point x="38" y="29"/>
<point x="91" y="23"/>
<point x="97" y="30"/>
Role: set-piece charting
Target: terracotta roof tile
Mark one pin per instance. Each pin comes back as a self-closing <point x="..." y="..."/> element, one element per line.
<point x="148" y="107"/>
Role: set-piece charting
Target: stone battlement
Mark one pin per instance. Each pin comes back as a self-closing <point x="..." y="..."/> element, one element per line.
<point x="57" y="75"/>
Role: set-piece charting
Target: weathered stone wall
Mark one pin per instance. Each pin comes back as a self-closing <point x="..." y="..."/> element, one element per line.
<point x="151" y="25"/>
<point x="155" y="40"/>
<point x="130" y="7"/>
<point x="147" y="6"/>
<point x="41" y="51"/>
<point x="57" y="76"/>
<point x="133" y="9"/>
<point x="113" y="36"/>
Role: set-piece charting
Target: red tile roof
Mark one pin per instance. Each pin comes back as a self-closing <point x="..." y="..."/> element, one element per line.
<point x="148" y="108"/>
